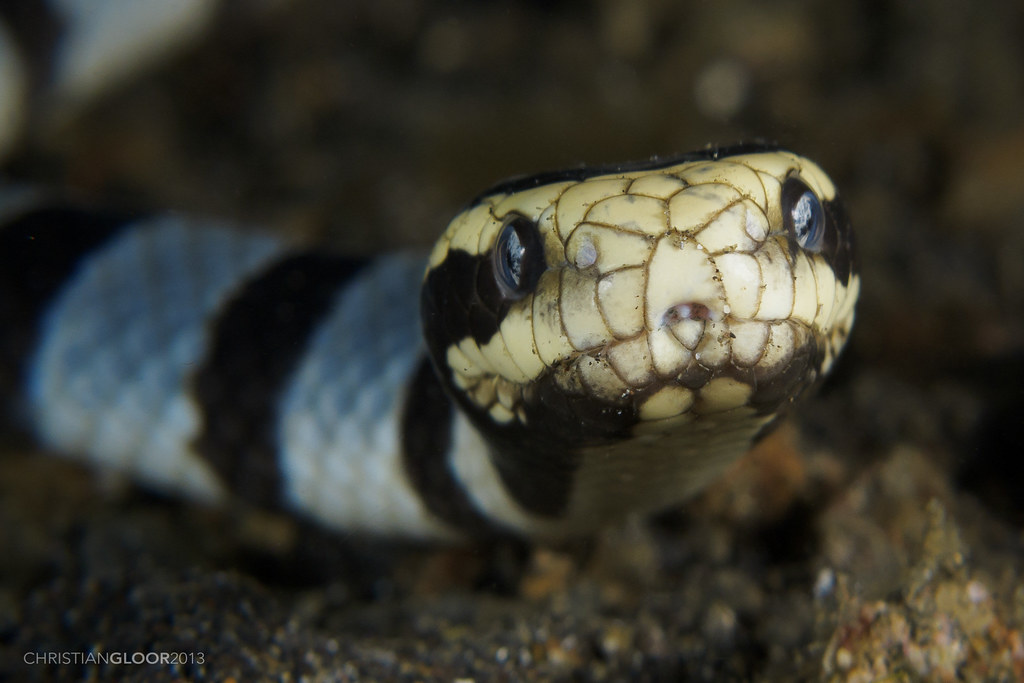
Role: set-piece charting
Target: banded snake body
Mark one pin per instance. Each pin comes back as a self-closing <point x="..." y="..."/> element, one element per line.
<point x="613" y="338"/>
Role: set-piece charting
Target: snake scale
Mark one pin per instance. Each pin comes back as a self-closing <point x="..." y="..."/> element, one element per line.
<point x="578" y="346"/>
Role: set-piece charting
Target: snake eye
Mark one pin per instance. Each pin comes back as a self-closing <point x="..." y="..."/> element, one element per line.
<point x="803" y="215"/>
<point x="518" y="258"/>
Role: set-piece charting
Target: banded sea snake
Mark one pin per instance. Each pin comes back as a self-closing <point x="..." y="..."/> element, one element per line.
<point x="613" y="339"/>
<point x="635" y="328"/>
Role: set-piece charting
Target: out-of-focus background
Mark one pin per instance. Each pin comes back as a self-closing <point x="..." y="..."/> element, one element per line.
<point x="877" y="533"/>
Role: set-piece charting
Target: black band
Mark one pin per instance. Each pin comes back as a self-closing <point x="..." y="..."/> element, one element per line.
<point x="258" y="339"/>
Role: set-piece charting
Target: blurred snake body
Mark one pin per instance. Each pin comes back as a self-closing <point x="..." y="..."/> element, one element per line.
<point x="578" y="346"/>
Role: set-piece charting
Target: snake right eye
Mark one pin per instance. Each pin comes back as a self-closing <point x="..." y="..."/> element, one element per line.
<point x="518" y="258"/>
<point x="803" y="215"/>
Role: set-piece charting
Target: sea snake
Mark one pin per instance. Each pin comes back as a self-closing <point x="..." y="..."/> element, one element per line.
<point x="577" y="347"/>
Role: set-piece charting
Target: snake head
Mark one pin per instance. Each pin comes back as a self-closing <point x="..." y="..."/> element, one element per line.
<point x="612" y="308"/>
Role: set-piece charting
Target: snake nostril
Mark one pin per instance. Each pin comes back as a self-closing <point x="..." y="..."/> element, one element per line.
<point x="690" y="310"/>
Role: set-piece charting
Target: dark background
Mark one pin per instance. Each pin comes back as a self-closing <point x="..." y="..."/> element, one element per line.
<point x="877" y="533"/>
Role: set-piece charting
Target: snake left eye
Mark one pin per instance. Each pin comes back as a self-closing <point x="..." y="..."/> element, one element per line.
<point x="518" y="257"/>
<point x="803" y="215"/>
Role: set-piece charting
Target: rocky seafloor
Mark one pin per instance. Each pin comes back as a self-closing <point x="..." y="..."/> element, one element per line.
<point x="875" y="535"/>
